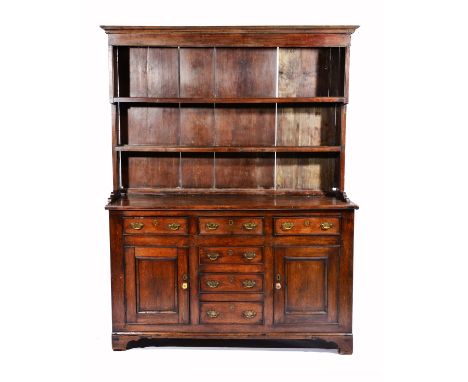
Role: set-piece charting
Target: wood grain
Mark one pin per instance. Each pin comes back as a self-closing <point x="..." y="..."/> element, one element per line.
<point x="196" y="72"/>
<point x="306" y="172"/>
<point x="244" y="170"/>
<point x="245" y="72"/>
<point x="307" y="126"/>
<point x="156" y="125"/>
<point x="197" y="170"/>
<point x="197" y="126"/>
<point x="245" y="126"/>
<point x="161" y="170"/>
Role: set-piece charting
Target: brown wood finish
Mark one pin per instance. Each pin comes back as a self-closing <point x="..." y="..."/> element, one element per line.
<point x="228" y="217"/>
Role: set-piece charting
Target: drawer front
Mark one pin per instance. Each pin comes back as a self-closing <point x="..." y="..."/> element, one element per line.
<point x="230" y="226"/>
<point x="322" y="225"/>
<point x="156" y="225"/>
<point x="231" y="255"/>
<point x="241" y="282"/>
<point x="231" y="313"/>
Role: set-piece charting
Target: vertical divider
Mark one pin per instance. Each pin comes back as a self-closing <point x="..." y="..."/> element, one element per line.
<point x="178" y="95"/>
<point x="215" y="135"/>
<point x="276" y="114"/>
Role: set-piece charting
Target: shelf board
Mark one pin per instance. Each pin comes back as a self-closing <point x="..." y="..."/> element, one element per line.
<point x="229" y="100"/>
<point x="229" y="149"/>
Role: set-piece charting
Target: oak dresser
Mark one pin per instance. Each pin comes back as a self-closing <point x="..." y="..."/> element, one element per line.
<point x="228" y="216"/>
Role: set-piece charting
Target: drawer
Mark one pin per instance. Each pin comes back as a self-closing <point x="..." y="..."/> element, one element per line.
<point x="231" y="282"/>
<point x="231" y="313"/>
<point x="230" y="226"/>
<point x="156" y="225"/>
<point x="322" y="225"/>
<point x="231" y="255"/>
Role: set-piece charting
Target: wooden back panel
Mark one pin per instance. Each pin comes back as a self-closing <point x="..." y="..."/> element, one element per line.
<point x="237" y="108"/>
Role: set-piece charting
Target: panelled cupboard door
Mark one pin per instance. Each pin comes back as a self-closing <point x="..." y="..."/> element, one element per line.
<point x="306" y="285"/>
<point x="156" y="285"/>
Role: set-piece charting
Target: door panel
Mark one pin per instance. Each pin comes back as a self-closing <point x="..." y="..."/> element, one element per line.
<point x="154" y="278"/>
<point x="309" y="285"/>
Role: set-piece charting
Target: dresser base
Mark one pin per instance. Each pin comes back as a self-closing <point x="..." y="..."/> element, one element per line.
<point x="342" y="342"/>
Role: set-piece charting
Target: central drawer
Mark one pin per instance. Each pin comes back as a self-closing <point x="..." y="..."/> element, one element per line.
<point x="231" y="255"/>
<point x="231" y="313"/>
<point x="239" y="282"/>
<point x="230" y="226"/>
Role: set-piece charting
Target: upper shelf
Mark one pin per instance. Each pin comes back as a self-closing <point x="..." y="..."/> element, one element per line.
<point x="229" y="149"/>
<point x="229" y="100"/>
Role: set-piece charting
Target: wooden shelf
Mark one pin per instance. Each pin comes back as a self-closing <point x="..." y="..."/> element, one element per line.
<point x="229" y="149"/>
<point x="229" y="100"/>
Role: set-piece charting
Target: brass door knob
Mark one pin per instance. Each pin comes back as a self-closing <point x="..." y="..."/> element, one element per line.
<point x="248" y="283"/>
<point x="212" y="283"/>
<point x="278" y="286"/>
<point x="249" y="314"/>
<point x="137" y="225"/>
<point x="249" y="255"/>
<point x="212" y="313"/>
<point x="287" y="226"/>
<point x="212" y="226"/>
<point x="250" y="226"/>
<point x="212" y="256"/>
<point x="326" y="226"/>
<point x="184" y="285"/>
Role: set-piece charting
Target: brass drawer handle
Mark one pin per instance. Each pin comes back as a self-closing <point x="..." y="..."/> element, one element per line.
<point x="212" y="226"/>
<point x="212" y="256"/>
<point x="249" y="283"/>
<point x="249" y="255"/>
<point x="249" y="314"/>
<point x="137" y="225"/>
<point x="287" y="226"/>
<point x="212" y="313"/>
<point x="250" y="226"/>
<point x="212" y="283"/>
<point x="326" y="226"/>
<point x="174" y="226"/>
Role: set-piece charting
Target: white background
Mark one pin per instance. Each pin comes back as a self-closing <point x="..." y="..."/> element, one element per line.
<point x="406" y="167"/>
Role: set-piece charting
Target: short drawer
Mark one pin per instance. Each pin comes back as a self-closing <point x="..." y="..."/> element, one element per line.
<point x="307" y="226"/>
<point x="231" y="313"/>
<point x="240" y="282"/>
<point x="230" y="226"/>
<point x="231" y="255"/>
<point x="156" y="225"/>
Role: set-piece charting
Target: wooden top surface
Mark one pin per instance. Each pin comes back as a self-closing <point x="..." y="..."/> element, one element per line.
<point x="342" y="29"/>
<point x="227" y="202"/>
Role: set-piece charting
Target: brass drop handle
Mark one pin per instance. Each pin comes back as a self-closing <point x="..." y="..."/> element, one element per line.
<point x="250" y="226"/>
<point x="249" y="255"/>
<point x="137" y="225"/>
<point x="212" y="313"/>
<point x="326" y="226"/>
<point x="248" y="283"/>
<point x="212" y="256"/>
<point x="249" y="314"/>
<point x="212" y="226"/>
<point x="184" y="283"/>
<point x="212" y="283"/>
<point x="174" y="226"/>
<point x="287" y="226"/>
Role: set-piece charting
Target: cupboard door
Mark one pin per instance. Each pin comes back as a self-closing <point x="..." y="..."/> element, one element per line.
<point x="306" y="285"/>
<point x="156" y="285"/>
